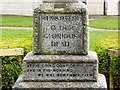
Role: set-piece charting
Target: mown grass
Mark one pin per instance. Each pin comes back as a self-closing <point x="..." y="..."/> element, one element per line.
<point x="20" y="21"/>
<point x="17" y="21"/>
<point x="16" y="33"/>
<point x="105" y="23"/>
<point x="94" y="35"/>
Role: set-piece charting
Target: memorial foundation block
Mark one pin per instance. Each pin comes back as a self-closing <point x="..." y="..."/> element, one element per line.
<point x="60" y="57"/>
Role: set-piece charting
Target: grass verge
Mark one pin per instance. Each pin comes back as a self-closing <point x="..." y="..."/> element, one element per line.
<point x="16" y="33"/>
<point x="105" y="23"/>
<point x="94" y="35"/>
<point x="20" y="21"/>
<point x="17" y="21"/>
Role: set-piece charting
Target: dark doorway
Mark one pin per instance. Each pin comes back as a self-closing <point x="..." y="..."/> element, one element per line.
<point x="119" y="9"/>
<point x="104" y="7"/>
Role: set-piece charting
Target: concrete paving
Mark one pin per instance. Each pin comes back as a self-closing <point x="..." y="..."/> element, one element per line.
<point x="24" y="28"/>
<point x="95" y="29"/>
<point x="30" y="28"/>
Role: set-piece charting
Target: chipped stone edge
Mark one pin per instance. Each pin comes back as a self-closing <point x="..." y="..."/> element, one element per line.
<point x="101" y="84"/>
<point x="60" y="1"/>
<point x="91" y="57"/>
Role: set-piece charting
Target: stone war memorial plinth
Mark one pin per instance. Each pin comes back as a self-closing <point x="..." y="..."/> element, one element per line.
<point x="60" y="57"/>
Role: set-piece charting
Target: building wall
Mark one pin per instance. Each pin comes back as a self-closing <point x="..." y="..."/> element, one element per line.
<point x="95" y="7"/>
<point x="112" y="7"/>
<point x="17" y="7"/>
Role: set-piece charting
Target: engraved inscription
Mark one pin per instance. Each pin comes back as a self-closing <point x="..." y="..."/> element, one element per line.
<point x="61" y="32"/>
<point x="60" y="71"/>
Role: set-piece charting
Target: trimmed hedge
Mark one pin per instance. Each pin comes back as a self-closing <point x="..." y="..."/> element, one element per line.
<point x="101" y="48"/>
<point x="115" y="70"/>
<point x="0" y="73"/>
<point x="11" y="69"/>
<point x="11" y="65"/>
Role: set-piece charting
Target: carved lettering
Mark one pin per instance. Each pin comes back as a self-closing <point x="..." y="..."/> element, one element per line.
<point x="62" y="18"/>
<point x="65" y="27"/>
<point x="60" y="36"/>
<point x="60" y="70"/>
<point x="53" y="27"/>
<point x="65" y="44"/>
<point x="61" y="33"/>
<point x="55" y="44"/>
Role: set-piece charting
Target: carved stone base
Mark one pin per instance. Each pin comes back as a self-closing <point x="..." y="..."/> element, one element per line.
<point x="60" y="68"/>
<point x="20" y="84"/>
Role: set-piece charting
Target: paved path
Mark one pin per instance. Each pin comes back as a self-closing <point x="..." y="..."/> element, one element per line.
<point x="24" y="28"/>
<point x="30" y="28"/>
<point x="95" y="29"/>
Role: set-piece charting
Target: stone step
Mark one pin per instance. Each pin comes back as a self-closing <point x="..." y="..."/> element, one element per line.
<point x="100" y="84"/>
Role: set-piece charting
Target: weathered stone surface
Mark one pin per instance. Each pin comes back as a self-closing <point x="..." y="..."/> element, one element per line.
<point x="101" y="83"/>
<point x="61" y="1"/>
<point x="60" y="57"/>
<point x="60" y="67"/>
<point x="61" y="29"/>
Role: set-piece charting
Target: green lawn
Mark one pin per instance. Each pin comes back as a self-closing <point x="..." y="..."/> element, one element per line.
<point x="20" y="21"/>
<point x="94" y="35"/>
<point x="16" y="33"/>
<point x="17" y="21"/>
<point x="105" y="23"/>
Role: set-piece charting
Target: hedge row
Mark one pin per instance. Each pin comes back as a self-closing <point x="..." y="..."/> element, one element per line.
<point x="101" y="48"/>
<point x="0" y="73"/>
<point x="115" y="70"/>
<point x="11" y="65"/>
